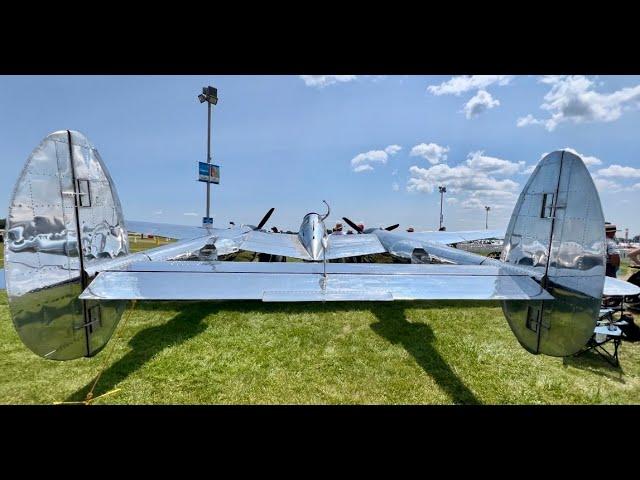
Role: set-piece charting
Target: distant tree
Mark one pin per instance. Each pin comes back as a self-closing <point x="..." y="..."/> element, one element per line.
<point x="3" y="223"/>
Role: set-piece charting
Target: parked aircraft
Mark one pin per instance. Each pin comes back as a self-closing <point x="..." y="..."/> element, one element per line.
<point x="70" y="273"/>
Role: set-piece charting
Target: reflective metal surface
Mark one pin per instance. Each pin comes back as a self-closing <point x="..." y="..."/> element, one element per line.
<point x="331" y="268"/>
<point x="62" y="215"/>
<point x="308" y="286"/>
<point x="311" y="232"/>
<point x="617" y="287"/>
<point x="456" y="237"/>
<point x="557" y="231"/>
<point x="285" y="244"/>
<point x="343" y="246"/>
<point x="173" y="251"/>
<point x="227" y="238"/>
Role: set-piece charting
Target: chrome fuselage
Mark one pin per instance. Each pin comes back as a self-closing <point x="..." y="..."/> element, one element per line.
<point x="311" y="232"/>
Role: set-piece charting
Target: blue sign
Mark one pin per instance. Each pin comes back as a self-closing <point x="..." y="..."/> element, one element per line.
<point x="208" y="172"/>
<point x="207" y="221"/>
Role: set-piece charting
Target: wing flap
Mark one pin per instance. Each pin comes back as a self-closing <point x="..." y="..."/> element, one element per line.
<point x="125" y="285"/>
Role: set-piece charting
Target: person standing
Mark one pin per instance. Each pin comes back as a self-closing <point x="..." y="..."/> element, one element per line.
<point x="613" y="254"/>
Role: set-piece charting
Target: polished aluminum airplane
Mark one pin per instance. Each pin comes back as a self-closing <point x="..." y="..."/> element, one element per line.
<point x="69" y="271"/>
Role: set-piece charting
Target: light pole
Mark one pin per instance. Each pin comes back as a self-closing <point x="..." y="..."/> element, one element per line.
<point x="209" y="95"/>
<point x="486" y="221"/>
<point x="442" y="191"/>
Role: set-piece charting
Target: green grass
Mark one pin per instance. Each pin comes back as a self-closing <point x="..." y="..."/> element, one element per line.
<point x="251" y="352"/>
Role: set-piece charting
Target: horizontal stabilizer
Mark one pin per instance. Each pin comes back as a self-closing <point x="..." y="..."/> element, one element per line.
<point x="272" y="283"/>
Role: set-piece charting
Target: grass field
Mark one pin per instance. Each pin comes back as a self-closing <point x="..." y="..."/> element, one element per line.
<point x="250" y="352"/>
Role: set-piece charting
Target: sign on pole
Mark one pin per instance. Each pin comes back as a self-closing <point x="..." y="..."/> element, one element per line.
<point x="208" y="172"/>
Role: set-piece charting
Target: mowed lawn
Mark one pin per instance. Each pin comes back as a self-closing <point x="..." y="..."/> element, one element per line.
<point x="372" y="353"/>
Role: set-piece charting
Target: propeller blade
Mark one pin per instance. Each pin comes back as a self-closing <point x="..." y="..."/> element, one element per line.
<point x="392" y="227"/>
<point x="265" y="219"/>
<point x="352" y="225"/>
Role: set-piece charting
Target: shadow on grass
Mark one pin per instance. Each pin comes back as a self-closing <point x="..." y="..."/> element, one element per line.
<point x="392" y="325"/>
<point x="418" y="339"/>
<point x="594" y="363"/>
<point x="147" y="343"/>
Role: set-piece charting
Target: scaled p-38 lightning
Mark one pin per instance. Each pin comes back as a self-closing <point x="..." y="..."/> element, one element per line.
<point x="69" y="271"/>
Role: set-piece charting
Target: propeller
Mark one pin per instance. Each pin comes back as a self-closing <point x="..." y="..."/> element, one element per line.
<point x="265" y="219"/>
<point x="360" y="230"/>
<point x="352" y="225"/>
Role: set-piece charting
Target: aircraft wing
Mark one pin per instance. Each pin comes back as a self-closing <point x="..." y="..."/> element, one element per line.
<point x="227" y="240"/>
<point x="341" y="246"/>
<point x="616" y="287"/>
<point x="177" y="232"/>
<point x="295" y="282"/>
<point x="449" y="238"/>
<point x="275" y="243"/>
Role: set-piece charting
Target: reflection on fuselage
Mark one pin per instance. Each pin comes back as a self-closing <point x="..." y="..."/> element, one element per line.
<point x="101" y="241"/>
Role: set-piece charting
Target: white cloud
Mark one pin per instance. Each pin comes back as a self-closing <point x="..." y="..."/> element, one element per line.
<point x="393" y="149"/>
<point x="473" y="182"/>
<point x="497" y="200"/>
<point x="528" y="120"/>
<point x="456" y="179"/>
<point x="362" y="162"/>
<point x="465" y="83"/>
<point x="190" y="214"/>
<point x="395" y="172"/>
<point x="492" y="165"/>
<point x="573" y="98"/>
<point x="618" y="171"/>
<point x="636" y="186"/>
<point x="321" y="81"/>
<point x="481" y="102"/>
<point x="158" y="212"/>
<point x="432" y="152"/>
<point x="363" y="168"/>
<point x="395" y="187"/>
<point x="604" y="185"/>
<point x="589" y="161"/>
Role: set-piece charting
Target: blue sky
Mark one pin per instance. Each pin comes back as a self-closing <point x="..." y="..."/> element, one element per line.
<point x="289" y="142"/>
